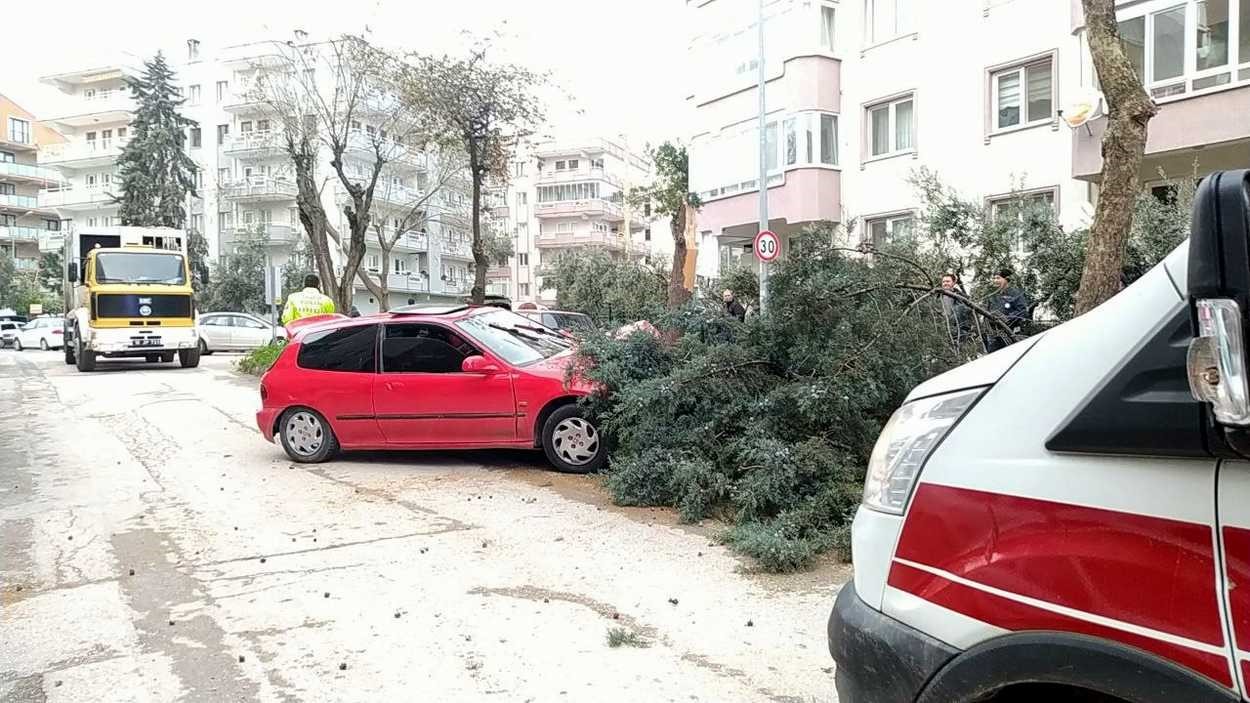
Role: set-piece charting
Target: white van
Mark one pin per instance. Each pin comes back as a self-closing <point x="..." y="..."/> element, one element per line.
<point x="1069" y="519"/>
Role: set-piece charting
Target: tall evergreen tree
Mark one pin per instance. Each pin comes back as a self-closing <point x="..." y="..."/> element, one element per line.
<point x="156" y="173"/>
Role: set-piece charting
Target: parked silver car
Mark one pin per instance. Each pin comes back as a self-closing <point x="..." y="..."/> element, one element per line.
<point x="8" y="332"/>
<point x="234" y="331"/>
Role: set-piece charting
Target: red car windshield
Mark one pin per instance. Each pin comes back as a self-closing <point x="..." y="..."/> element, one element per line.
<point x="515" y="339"/>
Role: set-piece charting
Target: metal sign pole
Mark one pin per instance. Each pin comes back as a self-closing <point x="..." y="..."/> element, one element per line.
<point x="763" y="182"/>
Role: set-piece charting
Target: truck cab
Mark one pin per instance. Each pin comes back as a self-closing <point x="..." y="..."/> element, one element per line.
<point x="131" y="298"/>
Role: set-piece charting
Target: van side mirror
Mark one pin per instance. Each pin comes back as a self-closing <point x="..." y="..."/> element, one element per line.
<point x="479" y="365"/>
<point x="1218" y="286"/>
<point x="72" y="272"/>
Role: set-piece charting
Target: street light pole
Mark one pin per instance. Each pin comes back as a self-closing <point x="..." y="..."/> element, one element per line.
<point x="763" y="182"/>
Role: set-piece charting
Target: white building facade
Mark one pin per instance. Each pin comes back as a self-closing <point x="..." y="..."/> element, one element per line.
<point x="246" y="181"/>
<point x="863" y="93"/>
<point x="567" y="198"/>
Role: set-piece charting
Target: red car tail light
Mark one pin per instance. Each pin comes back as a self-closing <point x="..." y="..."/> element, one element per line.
<point x="58" y="331"/>
<point x="264" y="392"/>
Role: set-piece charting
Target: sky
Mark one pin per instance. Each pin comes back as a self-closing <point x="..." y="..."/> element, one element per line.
<point x="618" y="66"/>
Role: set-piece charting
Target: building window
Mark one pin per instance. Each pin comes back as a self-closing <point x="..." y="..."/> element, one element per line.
<point x="523" y="289"/>
<point x="573" y="164"/>
<point x="568" y="191"/>
<point x="7" y="157"/>
<point x="891" y="127"/>
<point x="522" y="198"/>
<point x="194" y="95"/>
<point x="121" y="132"/>
<point x="19" y="131"/>
<point x="1023" y="95"/>
<point x="7" y="220"/>
<point x="197" y="223"/>
<point x="400" y="266"/>
<point x="519" y="170"/>
<point x="52" y="225"/>
<point x="195" y="137"/>
<point x="887" y="19"/>
<point x="223" y="131"/>
<point x="225" y="220"/>
<point x="523" y="259"/>
<point x="1188" y="46"/>
<point x="879" y="231"/>
<point x="1022" y="206"/>
<point x="223" y="176"/>
<point x="564" y="227"/>
<point x="826" y="27"/>
<point x="223" y="90"/>
<point x="559" y="165"/>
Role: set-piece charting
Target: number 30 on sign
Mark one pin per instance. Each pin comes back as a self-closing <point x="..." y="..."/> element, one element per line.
<point x="767" y="246"/>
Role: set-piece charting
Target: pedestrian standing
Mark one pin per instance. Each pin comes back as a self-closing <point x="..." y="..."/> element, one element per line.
<point x="1010" y="305"/>
<point x="308" y="302"/>
<point x="732" y="307"/>
<point x="957" y="313"/>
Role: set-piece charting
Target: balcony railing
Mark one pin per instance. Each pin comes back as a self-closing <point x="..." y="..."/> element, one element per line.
<point x="21" y="234"/>
<point x="457" y="248"/>
<point x="589" y="207"/>
<point x="22" y="202"/>
<point x="580" y="174"/>
<point x="407" y="283"/>
<point x="267" y="140"/>
<point x="82" y="149"/>
<point x="259" y="188"/>
<point x="499" y="272"/>
<point x="68" y="196"/>
<point x="30" y="172"/>
<point x="597" y="239"/>
<point x="273" y="235"/>
<point x="107" y="101"/>
<point x="25" y="264"/>
<point x="456" y="285"/>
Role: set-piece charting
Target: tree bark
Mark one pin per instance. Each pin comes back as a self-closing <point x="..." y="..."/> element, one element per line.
<point x="1129" y="110"/>
<point x="677" y="293"/>
<point x="477" y="172"/>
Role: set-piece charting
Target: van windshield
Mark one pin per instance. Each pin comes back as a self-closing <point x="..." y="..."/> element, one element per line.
<point x="133" y="267"/>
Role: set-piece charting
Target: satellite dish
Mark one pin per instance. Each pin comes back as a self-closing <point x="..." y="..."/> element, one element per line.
<point x="1085" y="107"/>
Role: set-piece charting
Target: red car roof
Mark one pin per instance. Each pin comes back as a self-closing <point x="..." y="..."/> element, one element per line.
<point x="298" y="329"/>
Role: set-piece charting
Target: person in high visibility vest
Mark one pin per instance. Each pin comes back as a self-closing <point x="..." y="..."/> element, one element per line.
<point x="308" y="302"/>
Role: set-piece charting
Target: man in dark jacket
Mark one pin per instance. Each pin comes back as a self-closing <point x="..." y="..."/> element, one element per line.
<point x="732" y="307"/>
<point x="1009" y="304"/>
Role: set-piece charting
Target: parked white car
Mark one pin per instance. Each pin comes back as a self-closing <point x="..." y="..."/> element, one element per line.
<point x="233" y="331"/>
<point x="44" y="332"/>
<point x="8" y="332"/>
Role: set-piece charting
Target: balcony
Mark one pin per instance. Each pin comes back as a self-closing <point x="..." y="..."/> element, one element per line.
<point x="407" y="283"/>
<point x="259" y="189"/>
<point x="456" y="249"/>
<point x="273" y="235"/>
<point x="102" y="106"/>
<point x="268" y="143"/>
<point x="82" y="153"/>
<point x="29" y="173"/>
<point x="499" y="272"/>
<point x="607" y="240"/>
<point x="576" y="175"/>
<point x="70" y="198"/>
<point x="591" y="208"/>
<point x="456" y="285"/>
<point x="21" y="234"/>
<point x="19" y="202"/>
<point x="410" y="241"/>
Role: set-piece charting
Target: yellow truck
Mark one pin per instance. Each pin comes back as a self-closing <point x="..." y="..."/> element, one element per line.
<point x="129" y="295"/>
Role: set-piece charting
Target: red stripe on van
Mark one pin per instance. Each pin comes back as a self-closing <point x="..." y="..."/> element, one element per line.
<point x="1237" y="563"/>
<point x="1149" y="571"/>
<point x="1011" y="615"/>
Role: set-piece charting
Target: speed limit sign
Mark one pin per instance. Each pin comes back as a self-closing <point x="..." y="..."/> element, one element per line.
<point x="767" y="246"/>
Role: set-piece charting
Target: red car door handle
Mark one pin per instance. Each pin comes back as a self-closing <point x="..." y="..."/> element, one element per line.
<point x="391" y="386"/>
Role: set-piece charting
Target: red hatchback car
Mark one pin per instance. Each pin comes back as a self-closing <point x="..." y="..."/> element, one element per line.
<point x="427" y="377"/>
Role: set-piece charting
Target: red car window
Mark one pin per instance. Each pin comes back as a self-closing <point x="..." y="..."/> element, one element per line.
<point x="422" y="348"/>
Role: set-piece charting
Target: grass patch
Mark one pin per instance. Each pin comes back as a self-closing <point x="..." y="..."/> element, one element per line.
<point x="621" y="637"/>
<point x="258" y="361"/>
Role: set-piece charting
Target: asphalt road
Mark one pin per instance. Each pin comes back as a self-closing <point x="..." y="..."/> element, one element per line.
<point x="154" y="548"/>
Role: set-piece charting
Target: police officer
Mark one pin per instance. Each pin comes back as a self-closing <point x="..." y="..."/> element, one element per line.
<point x="1009" y="304"/>
<point x="307" y="302"/>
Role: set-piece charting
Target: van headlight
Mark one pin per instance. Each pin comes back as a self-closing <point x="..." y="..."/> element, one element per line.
<point x="905" y="444"/>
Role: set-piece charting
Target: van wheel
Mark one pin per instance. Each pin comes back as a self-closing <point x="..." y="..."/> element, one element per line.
<point x="17" y="345"/>
<point x="306" y="436"/>
<point x="84" y="358"/>
<point x="572" y="443"/>
<point x="189" y="358"/>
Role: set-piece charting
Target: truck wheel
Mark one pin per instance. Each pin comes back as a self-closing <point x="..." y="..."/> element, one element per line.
<point x="84" y="358"/>
<point x="68" y="347"/>
<point x="189" y="358"/>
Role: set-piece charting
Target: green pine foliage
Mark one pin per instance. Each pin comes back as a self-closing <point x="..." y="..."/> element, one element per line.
<point x="610" y="291"/>
<point x="155" y="172"/>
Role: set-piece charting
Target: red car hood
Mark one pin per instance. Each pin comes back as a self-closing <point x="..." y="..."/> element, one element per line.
<point x="557" y="369"/>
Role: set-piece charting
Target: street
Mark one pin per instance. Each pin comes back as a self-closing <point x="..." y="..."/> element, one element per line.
<point x="153" y="547"/>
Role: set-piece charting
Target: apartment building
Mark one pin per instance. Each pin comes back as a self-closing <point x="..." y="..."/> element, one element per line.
<point x="862" y="93"/>
<point x="26" y="229"/>
<point x="567" y="197"/>
<point x="246" y="181"/>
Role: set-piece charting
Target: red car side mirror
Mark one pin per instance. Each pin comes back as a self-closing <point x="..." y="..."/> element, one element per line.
<point x="479" y="365"/>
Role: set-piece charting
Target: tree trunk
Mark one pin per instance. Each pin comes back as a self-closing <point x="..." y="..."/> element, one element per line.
<point x="1129" y="110"/>
<point x="479" y="247"/>
<point x="313" y="216"/>
<point x="677" y="293"/>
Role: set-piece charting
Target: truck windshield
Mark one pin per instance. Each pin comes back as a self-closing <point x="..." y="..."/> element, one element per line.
<point x="129" y="267"/>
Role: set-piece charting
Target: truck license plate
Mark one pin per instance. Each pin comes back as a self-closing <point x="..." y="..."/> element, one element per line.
<point x="145" y="341"/>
